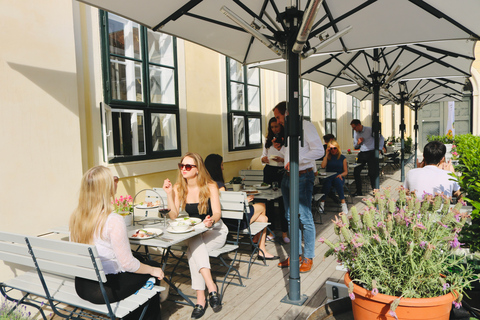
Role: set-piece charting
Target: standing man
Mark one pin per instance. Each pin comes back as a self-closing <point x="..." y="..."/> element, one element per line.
<point x="312" y="149"/>
<point x="363" y="139"/>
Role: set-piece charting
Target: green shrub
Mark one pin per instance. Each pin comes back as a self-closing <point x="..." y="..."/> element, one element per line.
<point x="468" y="148"/>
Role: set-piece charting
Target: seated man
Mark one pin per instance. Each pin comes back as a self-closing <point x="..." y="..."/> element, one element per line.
<point x="432" y="175"/>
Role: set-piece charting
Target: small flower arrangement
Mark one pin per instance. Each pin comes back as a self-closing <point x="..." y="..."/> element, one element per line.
<point x="20" y="312"/>
<point x="403" y="247"/>
<point x="123" y="204"/>
<point x="349" y="151"/>
<point x="236" y="180"/>
<point x="454" y="152"/>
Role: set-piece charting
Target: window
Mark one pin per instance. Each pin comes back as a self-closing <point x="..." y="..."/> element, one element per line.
<point x="244" y="109"/>
<point x="141" y="115"/>
<point x="355" y="108"/>
<point x="306" y="99"/>
<point x="330" y="112"/>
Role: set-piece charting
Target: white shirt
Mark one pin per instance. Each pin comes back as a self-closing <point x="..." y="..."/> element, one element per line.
<point x="368" y="143"/>
<point x="114" y="249"/>
<point x="272" y="152"/>
<point x="312" y="148"/>
<point x="430" y="179"/>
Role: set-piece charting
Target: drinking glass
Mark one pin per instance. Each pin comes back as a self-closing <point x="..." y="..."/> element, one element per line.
<point x="163" y="211"/>
<point x="275" y="185"/>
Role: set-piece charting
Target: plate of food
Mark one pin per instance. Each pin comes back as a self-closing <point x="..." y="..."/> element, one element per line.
<point x="148" y="205"/>
<point x="252" y="191"/>
<point x="172" y="228"/>
<point x="145" y="233"/>
<point x="190" y="221"/>
<point x="262" y="186"/>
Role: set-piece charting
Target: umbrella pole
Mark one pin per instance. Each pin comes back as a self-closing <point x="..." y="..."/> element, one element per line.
<point x="294" y="131"/>
<point x="415" y="128"/>
<point x="376" y="123"/>
<point x="402" y="136"/>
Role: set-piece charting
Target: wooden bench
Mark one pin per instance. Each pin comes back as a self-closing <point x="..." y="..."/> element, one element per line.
<point x="52" y="266"/>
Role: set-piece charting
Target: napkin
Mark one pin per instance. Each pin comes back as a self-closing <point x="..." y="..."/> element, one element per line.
<point x="199" y="226"/>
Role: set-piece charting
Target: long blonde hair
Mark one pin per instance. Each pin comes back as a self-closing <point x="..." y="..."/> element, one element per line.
<point x="203" y="180"/>
<point x="97" y="192"/>
<point x="335" y="144"/>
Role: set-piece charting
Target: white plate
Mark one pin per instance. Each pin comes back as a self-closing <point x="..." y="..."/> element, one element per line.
<point x="156" y="231"/>
<point x="170" y="229"/>
<point x="194" y="220"/>
<point x="260" y="187"/>
<point x="144" y="206"/>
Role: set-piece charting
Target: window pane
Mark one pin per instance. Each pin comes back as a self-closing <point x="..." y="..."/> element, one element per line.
<point x="238" y="132"/>
<point x="160" y="48"/>
<point x="128" y="126"/>
<point x="327" y="94"/>
<point x="162" y="85"/>
<point x="306" y="88"/>
<point x="306" y="107"/>
<point x="126" y="79"/>
<point x="237" y="96"/>
<point x="332" y="95"/>
<point x="164" y="132"/>
<point x="334" y="110"/>
<point x="328" y="114"/>
<point x="253" y="99"/>
<point x="328" y="127"/>
<point x="236" y="71"/>
<point x="254" y="133"/>
<point x="253" y="76"/>
<point x="334" y="129"/>
<point x="124" y="37"/>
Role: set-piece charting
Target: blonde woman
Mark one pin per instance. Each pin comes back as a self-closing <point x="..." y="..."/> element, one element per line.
<point x="94" y="222"/>
<point x="197" y="194"/>
<point x="334" y="161"/>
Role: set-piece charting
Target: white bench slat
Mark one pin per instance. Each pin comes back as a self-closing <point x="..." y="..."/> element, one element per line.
<point x="255" y="228"/>
<point x="226" y="248"/>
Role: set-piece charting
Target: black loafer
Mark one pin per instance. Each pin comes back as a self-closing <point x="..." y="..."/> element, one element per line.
<point x="215" y="301"/>
<point x="268" y="258"/>
<point x="199" y="311"/>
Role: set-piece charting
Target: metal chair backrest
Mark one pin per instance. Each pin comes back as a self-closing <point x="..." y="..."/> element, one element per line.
<point x="251" y="177"/>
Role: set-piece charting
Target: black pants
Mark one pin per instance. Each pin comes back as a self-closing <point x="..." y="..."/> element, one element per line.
<point x="118" y="287"/>
<point x="368" y="158"/>
<point x="275" y="174"/>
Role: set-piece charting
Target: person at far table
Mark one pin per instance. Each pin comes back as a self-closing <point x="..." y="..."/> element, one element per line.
<point x="334" y="161"/>
<point x="197" y="194"/>
<point x="94" y="222"/>
<point x="433" y="173"/>
<point x="257" y="212"/>
<point x="311" y="150"/>
<point x="273" y="170"/>
<point x="363" y="139"/>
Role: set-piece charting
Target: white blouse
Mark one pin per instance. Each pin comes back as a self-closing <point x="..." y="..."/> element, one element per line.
<point x="274" y="152"/>
<point x="114" y="249"/>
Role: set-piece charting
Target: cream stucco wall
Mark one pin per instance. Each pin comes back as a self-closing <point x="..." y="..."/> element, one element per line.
<point x="41" y="163"/>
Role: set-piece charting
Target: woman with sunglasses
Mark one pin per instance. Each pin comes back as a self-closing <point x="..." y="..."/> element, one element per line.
<point x="94" y="222"/>
<point x="334" y="161"/>
<point x="197" y="194"/>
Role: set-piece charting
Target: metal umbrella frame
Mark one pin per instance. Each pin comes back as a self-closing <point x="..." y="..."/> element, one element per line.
<point x="252" y="31"/>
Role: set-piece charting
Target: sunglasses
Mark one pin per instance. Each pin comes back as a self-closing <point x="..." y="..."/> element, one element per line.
<point x="187" y="167"/>
<point x="333" y="148"/>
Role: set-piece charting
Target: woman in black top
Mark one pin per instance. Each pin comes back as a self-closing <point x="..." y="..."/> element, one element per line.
<point x="197" y="194"/>
<point x="256" y="212"/>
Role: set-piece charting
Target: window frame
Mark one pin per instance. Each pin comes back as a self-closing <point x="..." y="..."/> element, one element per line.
<point x="246" y="114"/>
<point x="330" y="120"/>
<point x="146" y="106"/>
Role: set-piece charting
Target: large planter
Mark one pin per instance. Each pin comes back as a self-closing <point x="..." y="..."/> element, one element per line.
<point x="367" y="306"/>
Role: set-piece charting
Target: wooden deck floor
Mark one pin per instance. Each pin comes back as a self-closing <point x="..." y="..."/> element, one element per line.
<point x="261" y="297"/>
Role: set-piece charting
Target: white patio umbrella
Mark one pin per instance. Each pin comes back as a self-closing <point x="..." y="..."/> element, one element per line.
<point x="253" y="31"/>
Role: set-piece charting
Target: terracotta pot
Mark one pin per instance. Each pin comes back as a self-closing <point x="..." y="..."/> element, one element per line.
<point x="367" y="306"/>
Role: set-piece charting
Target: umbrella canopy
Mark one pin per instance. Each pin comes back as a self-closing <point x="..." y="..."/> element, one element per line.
<point x="374" y="22"/>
